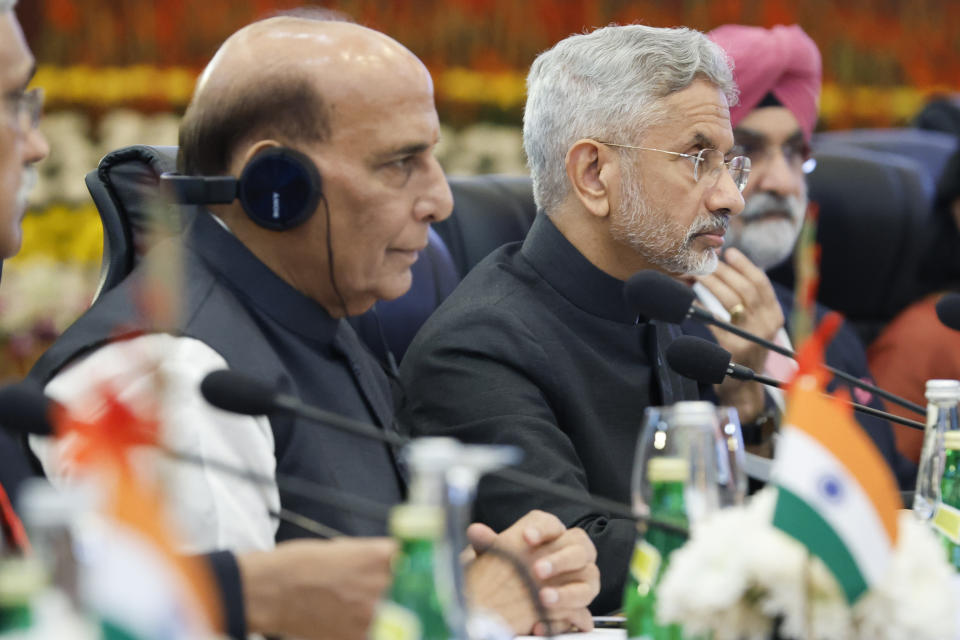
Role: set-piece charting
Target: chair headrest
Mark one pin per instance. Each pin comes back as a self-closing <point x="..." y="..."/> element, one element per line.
<point x="125" y="190"/>
<point x="930" y="149"/>
<point x="872" y="229"/>
<point x="488" y="211"/>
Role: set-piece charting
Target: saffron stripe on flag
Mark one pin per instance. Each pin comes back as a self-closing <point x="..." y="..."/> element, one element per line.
<point x="795" y="517"/>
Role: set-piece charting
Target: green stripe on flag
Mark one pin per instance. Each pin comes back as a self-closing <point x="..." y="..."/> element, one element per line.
<point x="798" y="519"/>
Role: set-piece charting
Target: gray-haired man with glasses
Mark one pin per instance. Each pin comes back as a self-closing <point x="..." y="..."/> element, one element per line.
<point x="627" y="132"/>
<point x="21" y="143"/>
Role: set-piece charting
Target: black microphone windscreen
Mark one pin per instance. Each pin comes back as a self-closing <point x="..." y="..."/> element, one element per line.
<point x="238" y="393"/>
<point x="948" y="310"/>
<point x="657" y="296"/>
<point x="698" y="359"/>
<point x="24" y="409"/>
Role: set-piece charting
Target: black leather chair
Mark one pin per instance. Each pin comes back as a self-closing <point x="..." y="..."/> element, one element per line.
<point x="488" y="212"/>
<point x="930" y="149"/>
<point x="125" y="188"/>
<point x="872" y="230"/>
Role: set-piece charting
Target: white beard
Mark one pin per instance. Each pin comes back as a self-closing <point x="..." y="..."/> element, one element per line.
<point x="652" y="233"/>
<point x="768" y="241"/>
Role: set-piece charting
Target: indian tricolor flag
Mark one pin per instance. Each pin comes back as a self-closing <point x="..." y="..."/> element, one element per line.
<point x="134" y="580"/>
<point x="836" y="494"/>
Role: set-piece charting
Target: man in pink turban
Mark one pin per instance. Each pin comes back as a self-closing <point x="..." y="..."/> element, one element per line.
<point x="778" y="73"/>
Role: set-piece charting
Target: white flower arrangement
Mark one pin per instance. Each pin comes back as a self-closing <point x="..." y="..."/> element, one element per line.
<point x="738" y="575"/>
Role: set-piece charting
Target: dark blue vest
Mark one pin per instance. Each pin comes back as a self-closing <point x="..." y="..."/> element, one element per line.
<point x="264" y="327"/>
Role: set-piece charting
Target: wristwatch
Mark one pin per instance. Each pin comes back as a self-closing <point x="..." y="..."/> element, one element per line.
<point x="762" y="427"/>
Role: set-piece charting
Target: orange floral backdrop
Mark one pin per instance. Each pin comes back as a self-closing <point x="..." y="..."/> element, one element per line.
<point x="119" y="72"/>
<point x="882" y="57"/>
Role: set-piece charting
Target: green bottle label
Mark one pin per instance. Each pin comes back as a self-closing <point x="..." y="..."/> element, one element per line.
<point x="394" y="622"/>
<point x="946" y="520"/>
<point x="645" y="563"/>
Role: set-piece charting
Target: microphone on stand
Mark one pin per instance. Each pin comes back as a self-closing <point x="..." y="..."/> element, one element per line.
<point x="238" y="393"/>
<point x="659" y="297"/>
<point x="709" y="363"/>
<point x="25" y="410"/>
<point x="706" y="362"/>
<point x="948" y="310"/>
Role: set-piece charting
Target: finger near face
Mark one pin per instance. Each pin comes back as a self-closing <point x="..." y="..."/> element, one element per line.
<point x="723" y="292"/>
<point x="745" y="290"/>
<point x="736" y="259"/>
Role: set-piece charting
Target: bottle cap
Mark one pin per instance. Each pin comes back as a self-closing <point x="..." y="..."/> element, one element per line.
<point x="951" y="440"/>
<point x="693" y="413"/>
<point x="20" y="580"/>
<point x="667" y="469"/>
<point x="416" y="521"/>
<point x="941" y="390"/>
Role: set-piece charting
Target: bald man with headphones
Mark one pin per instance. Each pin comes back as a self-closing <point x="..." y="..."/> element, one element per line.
<point x="311" y="143"/>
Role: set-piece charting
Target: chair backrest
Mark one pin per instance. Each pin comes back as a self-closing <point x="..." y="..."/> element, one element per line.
<point x="930" y="149"/>
<point x="488" y="212"/>
<point x="873" y="228"/>
<point x="125" y="189"/>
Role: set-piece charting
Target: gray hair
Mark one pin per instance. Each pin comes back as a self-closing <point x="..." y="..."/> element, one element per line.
<point x="608" y="85"/>
<point x="7" y="5"/>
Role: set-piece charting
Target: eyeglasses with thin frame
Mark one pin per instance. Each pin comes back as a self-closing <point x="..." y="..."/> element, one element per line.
<point x="27" y="107"/>
<point x="711" y="160"/>
<point x="795" y="151"/>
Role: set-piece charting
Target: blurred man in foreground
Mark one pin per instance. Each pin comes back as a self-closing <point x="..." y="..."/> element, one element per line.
<point x="21" y="146"/>
<point x="778" y="72"/>
<point x="627" y="132"/>
<point x="269" y="301"/>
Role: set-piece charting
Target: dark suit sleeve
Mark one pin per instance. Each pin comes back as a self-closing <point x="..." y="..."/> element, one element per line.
<point x="483" y="377"/>
<point x="226" y="573"/>
<point x="14" y="465"/>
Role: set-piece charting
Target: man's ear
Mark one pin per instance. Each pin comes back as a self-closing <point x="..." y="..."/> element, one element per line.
<point x="233" y="213"/>
<point x="592" y="168"/>
<point x="243" y="156"/>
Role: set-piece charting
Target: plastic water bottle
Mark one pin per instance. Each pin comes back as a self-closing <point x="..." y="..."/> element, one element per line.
<point x="946" y="519"/>
<point x="667" y="477"/>
<point x="413" y="607"/>
<point x="942" y="398"/>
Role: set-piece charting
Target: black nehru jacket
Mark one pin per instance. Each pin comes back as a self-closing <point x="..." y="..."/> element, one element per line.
<point x="536" y="348"/>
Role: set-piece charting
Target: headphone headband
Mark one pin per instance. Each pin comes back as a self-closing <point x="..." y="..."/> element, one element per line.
<point x="279" y="188"/>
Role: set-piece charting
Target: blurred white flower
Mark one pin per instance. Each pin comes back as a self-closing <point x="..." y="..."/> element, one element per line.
<point x="915" y="599"/>
<point x="738" y="574"/>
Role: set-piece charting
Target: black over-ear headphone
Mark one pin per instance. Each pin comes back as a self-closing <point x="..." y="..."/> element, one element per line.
<point x="279" y="188"/>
